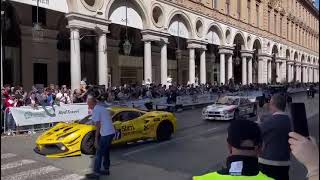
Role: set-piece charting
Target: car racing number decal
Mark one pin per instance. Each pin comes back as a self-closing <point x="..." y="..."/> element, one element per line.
<point x="128" y="130"/>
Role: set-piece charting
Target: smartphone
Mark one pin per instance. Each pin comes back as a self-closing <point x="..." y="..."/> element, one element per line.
<point x="299" y="119"/>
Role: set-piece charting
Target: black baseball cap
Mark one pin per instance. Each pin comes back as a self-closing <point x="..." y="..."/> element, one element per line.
<point x="242" y="130"/>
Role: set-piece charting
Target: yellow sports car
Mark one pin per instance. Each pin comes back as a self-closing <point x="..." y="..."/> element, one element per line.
<point x="71" y="139"/>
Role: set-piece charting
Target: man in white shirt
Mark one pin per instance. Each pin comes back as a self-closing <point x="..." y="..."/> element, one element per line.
<point x="103" y="137"/>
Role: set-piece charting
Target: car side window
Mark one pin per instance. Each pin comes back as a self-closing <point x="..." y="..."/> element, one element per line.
<point x="236" y="101"/>
<point x="126" y="116"/>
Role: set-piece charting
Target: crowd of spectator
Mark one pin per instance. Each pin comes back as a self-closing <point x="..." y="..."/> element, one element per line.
<point x="55" y="95"/>
<point x="60" y="95"/>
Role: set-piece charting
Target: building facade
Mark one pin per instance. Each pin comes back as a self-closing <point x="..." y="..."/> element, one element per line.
<point x="190" y="41"/>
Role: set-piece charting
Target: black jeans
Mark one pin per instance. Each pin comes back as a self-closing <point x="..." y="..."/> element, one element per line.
<point x="275" y="172"/>
<point x="103" y="152"/>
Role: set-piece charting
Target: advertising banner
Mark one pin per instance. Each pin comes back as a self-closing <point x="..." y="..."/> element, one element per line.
<point x="196" y="99"/>
<point x="56" y="5"/>
<point x="26" y="115"/>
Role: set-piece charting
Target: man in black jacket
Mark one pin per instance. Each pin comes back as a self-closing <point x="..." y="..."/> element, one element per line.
<point x="275" y="157"/>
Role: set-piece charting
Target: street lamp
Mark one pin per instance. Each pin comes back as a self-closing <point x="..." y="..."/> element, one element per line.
<point x="212" y="55"/>
<point x="237" y="60"/>
<point x="37" y="31"/>
<point x="127" y="45"/>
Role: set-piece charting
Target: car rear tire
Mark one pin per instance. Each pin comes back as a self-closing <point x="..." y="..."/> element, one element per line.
<point x="87" y="144"/>
<point x="164" y="131"/>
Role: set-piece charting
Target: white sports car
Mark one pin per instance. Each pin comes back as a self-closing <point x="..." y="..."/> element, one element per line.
<point x="229" y="108"/>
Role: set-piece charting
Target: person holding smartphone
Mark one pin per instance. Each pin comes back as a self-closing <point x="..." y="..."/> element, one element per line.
<point x="274" y="160"/>
<point x="306" y="152"/>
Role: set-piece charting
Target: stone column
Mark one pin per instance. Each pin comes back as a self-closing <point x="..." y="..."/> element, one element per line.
<point x="297" y="73"/>
<point x="292" y="71"/>
<point x="75" y="61"/>
<point x="308" y="70"/>
<point x="244" y="70"/>
<point x="102" y="60"/>
<point x="164" y="64"/>
<point x="289" y="72"/>
<point x="225" y="51"/>
<point x="300" y="71"/>
<point x="222" y="68"/>
<point x="312" y="80"/>
<point x="203" y="78"/>
<point x="303" y="73"/>
<point x="269" y="71"/>
<point x="147" y="61"/>
<point x="249" y="70"/>
<point x="307" y="74"/>
<point x="310" y="73"/>
<point x="230" y="68"/>
<point x="192" y="65"/>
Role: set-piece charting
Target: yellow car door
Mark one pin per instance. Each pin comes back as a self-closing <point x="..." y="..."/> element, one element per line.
<point x="139" y="123"/>
<point x="125" y="129"/>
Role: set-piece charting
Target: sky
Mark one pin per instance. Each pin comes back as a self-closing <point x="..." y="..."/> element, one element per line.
<point x="317" y="4"/>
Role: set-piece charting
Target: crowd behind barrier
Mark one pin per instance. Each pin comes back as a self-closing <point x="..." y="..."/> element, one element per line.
<point x="40" y="98"/>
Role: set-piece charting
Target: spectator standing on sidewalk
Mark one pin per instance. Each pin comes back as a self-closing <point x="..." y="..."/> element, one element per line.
<point x="103" y="136"/>
<point x="275" y="157"/>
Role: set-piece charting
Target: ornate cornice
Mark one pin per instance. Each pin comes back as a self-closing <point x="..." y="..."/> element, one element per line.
<point x="218" y="16"/>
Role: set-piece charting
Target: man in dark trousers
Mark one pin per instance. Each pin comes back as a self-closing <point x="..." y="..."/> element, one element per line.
<point x="103" y="136"/>
<point x="275" y="157"/>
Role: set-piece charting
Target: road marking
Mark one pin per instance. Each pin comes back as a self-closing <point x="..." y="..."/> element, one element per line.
<point x="16" y="164"/>
<point x="168" y="142"/>
<point x="31" y="174"/>
<point x="7" y="155"/>
<point x="70" y="177"/>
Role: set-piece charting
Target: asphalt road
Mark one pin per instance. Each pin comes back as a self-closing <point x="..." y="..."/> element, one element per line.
<point x="198" y="147"/>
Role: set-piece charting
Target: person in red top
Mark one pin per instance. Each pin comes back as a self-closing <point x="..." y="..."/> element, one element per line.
<point x="10" y="102"/>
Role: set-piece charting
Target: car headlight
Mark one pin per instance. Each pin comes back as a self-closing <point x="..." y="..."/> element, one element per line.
<point x="204" y="110"/>
<point x="61" y="146"/>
